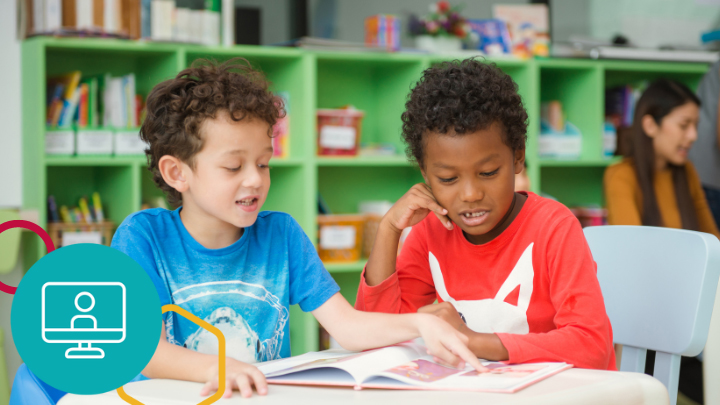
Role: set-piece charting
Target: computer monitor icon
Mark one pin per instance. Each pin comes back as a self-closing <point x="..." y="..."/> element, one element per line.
<point x="83" y="313"/>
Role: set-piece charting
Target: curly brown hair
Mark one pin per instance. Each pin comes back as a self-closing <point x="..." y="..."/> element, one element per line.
<point x="462" y="96"/>
<point x="176" y="109"/>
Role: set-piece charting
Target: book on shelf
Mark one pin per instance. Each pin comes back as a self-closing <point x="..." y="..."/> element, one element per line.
<point x="402" y="366"/>
<point x="281" y="130"/>
<point x="89" y="210"/>
<point x="93" y="101"/>
<point x="134" y="19"/>
<point x="620" y="104"/>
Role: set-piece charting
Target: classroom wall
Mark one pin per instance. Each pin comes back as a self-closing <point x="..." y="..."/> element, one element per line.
<point x="10" y="158"/>
<point x="10" y="153"/>
<point x="652" y="23"/>
<point x="274" y="19"/>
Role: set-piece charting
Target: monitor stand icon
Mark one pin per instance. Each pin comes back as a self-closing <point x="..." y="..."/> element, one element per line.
<point x="83" y="325"/>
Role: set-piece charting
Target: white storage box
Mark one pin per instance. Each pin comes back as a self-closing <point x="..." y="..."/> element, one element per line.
<point x="94" y="142"/>
<point x="60" y="142"/>
<point x="128" y="143"/>
<point x="560" y="146"/>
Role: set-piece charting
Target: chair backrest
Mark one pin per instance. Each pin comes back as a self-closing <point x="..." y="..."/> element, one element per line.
<point x="659" y="287"/>
<point x="27" y="389"/>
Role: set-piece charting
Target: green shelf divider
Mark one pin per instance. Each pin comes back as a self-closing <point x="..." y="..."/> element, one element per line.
<point x="377" y="83"/>
<point x="346" y="267"/>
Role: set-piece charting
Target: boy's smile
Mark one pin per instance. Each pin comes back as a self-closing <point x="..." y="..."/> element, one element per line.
<point x="473" y="176"/>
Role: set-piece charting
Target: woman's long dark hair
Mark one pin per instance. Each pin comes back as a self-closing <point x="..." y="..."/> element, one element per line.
<point x="660" y="98"/>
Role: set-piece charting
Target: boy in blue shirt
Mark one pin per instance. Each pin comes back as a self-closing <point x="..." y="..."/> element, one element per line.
<point x="219" y="257"/>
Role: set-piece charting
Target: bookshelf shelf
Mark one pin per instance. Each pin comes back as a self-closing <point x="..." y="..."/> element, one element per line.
<point x="350" y="267"/>
<point x="398" y="160"/>
<point x="580" y="163"/>
<point x="94" y="160"/>
<point x="377" y="83"/>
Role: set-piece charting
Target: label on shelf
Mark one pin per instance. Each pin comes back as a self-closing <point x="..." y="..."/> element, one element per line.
<point x="337" y="137"/>
<point x="129" y="143"/>
<point x="337" y="237"/>
<point x="60" y="142"/>
<point x="71" y="238"/>
<point x="94" y="142"/>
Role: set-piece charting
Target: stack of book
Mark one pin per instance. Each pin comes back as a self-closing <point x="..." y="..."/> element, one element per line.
<point x="93" y="115"/>
<point x="93" y="101"/>
<point x="159" y="20"/>
<point x="620" y="104"/>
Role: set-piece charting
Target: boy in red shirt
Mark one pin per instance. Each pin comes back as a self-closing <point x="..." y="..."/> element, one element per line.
<point x="512" y="271"/>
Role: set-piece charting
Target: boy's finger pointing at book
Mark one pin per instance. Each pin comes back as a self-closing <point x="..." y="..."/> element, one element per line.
<point x="459" y="348"/>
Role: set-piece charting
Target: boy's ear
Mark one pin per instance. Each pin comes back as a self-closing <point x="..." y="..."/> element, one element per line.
<point x="519" y="161"/>
<point x="172" y="171"/>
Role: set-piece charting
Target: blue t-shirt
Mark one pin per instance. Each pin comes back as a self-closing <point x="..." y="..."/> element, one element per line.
<point x="244" y="289"/>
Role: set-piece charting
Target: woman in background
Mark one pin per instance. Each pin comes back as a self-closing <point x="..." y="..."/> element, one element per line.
<point x="656" y="185"/>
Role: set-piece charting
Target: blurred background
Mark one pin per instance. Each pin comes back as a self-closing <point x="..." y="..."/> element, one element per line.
<point x="75" y="74"/>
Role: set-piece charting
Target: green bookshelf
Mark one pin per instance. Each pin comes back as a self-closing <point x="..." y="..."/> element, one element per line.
<point x="373" y="82"/>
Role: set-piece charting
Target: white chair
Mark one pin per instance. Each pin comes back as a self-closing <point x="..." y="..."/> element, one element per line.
<point x="659" y="287"/>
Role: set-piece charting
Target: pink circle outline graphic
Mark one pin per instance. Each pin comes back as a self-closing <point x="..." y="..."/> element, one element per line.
<point x="30" y="226"/>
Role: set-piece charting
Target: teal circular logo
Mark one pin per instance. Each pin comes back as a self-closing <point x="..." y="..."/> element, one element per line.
<point x="86" y="319"/>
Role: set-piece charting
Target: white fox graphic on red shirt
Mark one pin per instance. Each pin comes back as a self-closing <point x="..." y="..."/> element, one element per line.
<point x="494" y="315"/>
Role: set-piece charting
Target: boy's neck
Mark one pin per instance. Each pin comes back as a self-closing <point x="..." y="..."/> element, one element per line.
<point x="512" y="213"/>
<point x="209" y="231"/>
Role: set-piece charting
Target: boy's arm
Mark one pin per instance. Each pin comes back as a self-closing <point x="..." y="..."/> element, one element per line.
<point x="175" y="362"/>
<point x="380" y="284"/>
<point x="180" y="363"/>
<point x="583" y="335"/>
<point x="484" y="345"/>
<point x="345" y="323"/>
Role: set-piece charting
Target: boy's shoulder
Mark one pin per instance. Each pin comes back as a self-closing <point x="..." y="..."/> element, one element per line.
<point x="274" y="219"/>
<point x="147" y="219"/>
<point x="546" y="211"/>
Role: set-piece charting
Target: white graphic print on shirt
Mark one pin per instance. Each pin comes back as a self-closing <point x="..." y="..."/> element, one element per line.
<point x="494" y="315"/>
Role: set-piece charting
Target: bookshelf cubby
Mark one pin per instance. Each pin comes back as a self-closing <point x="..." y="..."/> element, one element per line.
<point x="375" y="83"/>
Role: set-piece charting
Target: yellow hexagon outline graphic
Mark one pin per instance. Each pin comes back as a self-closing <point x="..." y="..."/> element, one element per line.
<point x="221" y="356"/>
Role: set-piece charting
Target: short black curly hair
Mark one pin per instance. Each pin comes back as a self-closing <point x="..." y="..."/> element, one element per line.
<point x="462" y="96"/>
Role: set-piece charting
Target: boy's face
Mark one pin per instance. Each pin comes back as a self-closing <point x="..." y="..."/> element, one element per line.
<point x="231" y="177"/>
<point x="473" y="176"/>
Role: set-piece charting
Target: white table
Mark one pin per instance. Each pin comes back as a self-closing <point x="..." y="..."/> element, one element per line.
<point x="572" y="387"/>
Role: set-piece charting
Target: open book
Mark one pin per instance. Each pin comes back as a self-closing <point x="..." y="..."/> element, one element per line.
<point x="403" y="366"/>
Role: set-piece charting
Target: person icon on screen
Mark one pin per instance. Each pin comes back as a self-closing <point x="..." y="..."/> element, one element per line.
<point x="81" y="309"/>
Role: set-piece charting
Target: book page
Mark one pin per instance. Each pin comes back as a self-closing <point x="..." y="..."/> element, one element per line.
<point x="359" y="365"/>
<point x="501" y="378"/>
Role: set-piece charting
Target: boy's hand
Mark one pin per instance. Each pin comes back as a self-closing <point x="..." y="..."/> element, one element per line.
<point x="447" y="312"/>
<point x="238" y="375"/>
<point x="447" y="345"/>
<point x="413" y="207"/>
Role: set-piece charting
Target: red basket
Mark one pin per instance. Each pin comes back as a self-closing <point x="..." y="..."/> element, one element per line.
<point x="339" y="131"/>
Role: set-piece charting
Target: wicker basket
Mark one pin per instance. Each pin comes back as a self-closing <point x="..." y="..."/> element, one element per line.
<point x="56" y="230"/>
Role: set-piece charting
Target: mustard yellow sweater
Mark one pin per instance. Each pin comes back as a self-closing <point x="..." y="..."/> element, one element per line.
<point x="624" y="197"/>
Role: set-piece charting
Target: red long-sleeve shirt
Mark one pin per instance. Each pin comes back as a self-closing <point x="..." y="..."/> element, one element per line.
<point x="535" y="285"/>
